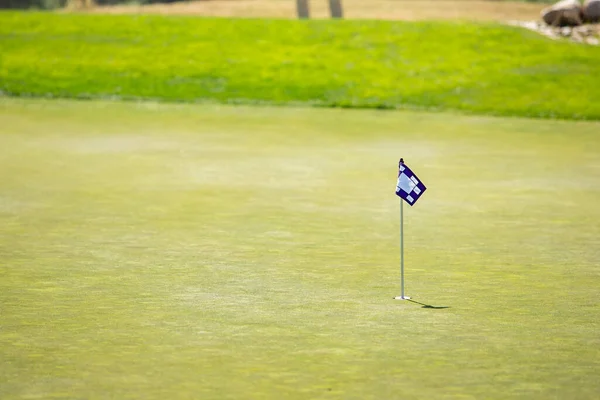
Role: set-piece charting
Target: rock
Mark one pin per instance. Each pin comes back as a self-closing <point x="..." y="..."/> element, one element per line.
<point x="591" y="10"/>
<point x="564" y="13"/>
<point x="593" y="41"/>
<point x="577" y="37"/>
<point x="565" y="31"/>
<point x="586" y="34"/>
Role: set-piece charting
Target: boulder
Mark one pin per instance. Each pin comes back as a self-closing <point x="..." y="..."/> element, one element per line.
<point x="591" y="10"/>
<point x="563" y="13"/>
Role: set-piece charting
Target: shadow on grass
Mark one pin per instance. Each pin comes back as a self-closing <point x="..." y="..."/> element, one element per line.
<point x="428" y="305"/>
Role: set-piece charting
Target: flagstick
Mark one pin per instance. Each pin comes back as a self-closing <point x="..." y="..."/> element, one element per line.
<point x="402" y="248"/>
<point x="402" y="297"/>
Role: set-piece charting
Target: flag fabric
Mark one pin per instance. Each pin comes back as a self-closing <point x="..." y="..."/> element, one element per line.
<point x="409" y="187"/>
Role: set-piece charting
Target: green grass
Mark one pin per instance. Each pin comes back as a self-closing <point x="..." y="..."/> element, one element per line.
<point x="479" y="68"/>
<point x="217" y="252"/>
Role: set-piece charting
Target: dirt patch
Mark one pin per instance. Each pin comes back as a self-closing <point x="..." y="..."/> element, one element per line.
<point x="478" y="10"/>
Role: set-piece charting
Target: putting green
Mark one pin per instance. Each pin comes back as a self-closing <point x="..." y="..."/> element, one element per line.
<point x="215" y="252"/>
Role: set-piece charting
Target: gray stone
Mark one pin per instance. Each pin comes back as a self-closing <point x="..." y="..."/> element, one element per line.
<point x="563" y="13"/>
<point x="591" y="10"/>
<point x="565" y="31"/>
<point x="593" y="41"/>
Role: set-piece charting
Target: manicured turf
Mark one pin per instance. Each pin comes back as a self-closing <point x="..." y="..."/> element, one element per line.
<point x="217" y="252"/>
<point x="481" y="68"/>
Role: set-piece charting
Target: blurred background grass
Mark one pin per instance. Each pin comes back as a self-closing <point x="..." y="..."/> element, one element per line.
<point x="474" y="67"/>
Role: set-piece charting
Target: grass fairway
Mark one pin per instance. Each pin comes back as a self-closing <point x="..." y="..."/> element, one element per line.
<point x="178" y="251"/>
<point x="474" y="67"/>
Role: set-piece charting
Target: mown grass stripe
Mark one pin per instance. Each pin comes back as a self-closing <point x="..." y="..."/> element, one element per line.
<point x="474" y="67"/>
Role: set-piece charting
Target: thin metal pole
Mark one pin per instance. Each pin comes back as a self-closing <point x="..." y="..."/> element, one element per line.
<point x="401" y="248"/>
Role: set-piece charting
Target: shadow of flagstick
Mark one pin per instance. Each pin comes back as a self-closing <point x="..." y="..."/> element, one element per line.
<point x="427" y="305"/>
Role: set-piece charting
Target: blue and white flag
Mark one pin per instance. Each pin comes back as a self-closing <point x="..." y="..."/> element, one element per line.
<point x="409" y="187"/>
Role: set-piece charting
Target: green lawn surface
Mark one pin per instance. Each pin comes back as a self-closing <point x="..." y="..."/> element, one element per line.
<point x="153" y="251"/>
<point x="475" y="67"/>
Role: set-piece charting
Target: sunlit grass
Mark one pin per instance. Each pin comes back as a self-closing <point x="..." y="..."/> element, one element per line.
<point x="480" y="68"/>
<point x="217" y="252"/>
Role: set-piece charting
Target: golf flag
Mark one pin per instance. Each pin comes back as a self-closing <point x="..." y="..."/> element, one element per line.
<point x="409" y="187"/>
